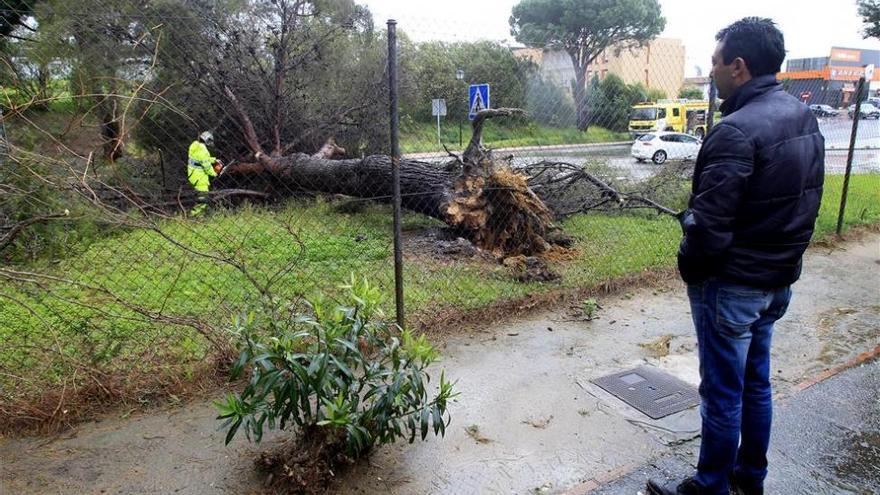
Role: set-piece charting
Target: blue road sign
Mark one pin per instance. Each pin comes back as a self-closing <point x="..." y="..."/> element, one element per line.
<point x="478" y="99"/>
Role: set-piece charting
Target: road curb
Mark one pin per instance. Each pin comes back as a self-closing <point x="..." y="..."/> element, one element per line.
<point x="852" y="363"/>
<point x="549" y="147"/>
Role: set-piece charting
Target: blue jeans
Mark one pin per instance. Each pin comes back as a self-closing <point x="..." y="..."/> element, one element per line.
<point x="734" y="325"/>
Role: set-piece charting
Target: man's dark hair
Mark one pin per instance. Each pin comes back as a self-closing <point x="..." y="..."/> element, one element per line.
<point x="756" y="40"/>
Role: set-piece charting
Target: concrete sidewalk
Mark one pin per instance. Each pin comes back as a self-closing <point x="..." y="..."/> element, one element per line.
<point x="826" y="439"/>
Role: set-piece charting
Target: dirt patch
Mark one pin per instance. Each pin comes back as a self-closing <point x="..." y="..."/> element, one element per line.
<point x="305" y="464"/>
<point x="59" y="409"/>
<point x="845" y="328"/>
<point x="851" y="234"/>
<point x="658" y="347"/>
<point x="539" y="423"/>
<point x="530" y="269"/>
<point x="473" y="431"/>
<point x="444" y="245"/>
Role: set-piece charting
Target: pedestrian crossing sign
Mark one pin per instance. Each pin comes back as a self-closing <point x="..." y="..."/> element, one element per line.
<point x="478" y="99"/>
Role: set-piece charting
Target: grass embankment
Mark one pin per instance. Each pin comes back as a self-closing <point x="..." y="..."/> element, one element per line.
<point x="418" y="137"/>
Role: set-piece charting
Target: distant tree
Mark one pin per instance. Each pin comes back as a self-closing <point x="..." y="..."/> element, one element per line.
<point x="691" y="93"/>
<point x="300" y="71"/>
<point x="102" y="52"/>
<point x="21" y="66"/>
<point x="870" y="12"/>
<point x="611" y="101"/>
<point x="430" y="72"/>
<point x="549" y="104"/>
<point x="655" y="94"/>
<point x="584" y="28"/>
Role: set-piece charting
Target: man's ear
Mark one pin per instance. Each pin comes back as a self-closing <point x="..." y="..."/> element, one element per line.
<point x="740" y="68"/>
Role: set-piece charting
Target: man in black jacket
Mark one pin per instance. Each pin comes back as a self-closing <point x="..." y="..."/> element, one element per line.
<point x="755" y="197"/>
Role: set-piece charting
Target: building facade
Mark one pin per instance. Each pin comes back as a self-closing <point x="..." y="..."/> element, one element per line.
<point x="830" y="80"/>
<point x="658" y="65"/>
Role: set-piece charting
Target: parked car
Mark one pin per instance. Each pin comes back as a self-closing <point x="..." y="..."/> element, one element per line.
<point x="872" y="101"/>
<point x="824" y="111"/>
<point x="866" y="111"/>
<point x="661" y="146"/>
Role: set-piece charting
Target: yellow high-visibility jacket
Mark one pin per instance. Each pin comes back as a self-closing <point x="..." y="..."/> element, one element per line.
<point x="200" y="159"/>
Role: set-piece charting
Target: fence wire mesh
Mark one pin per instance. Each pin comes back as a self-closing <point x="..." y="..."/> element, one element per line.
<point x="114" y="286"/>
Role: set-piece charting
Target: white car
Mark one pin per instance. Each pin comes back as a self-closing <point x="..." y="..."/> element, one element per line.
<point x="661" y="146"/>
<point x="866" y="111"/>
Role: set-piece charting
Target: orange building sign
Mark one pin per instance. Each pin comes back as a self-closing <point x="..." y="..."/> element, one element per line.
<point x="838" y="73"/>
<point x="842" y="55"/>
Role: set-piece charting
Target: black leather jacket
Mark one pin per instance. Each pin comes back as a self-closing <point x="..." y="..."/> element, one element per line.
<point x="756" y="190"/>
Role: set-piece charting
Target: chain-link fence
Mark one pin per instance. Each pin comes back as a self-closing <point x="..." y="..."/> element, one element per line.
<point x="120" y="277"/>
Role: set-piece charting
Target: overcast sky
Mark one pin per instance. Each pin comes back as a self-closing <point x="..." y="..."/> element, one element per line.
<point x="811" y="27"/>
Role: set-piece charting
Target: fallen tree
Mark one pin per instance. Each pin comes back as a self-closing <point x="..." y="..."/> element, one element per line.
<point x="485" y="201"/>
<point x="508" y="212"/>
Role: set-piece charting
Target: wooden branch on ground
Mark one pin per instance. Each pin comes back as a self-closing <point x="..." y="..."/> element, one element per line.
<point x="12" y="231"/>
<point x="555" y="178"/>
<point x="329" y="150"/>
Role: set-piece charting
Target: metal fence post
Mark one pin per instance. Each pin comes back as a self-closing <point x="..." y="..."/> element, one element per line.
<point x="4" y="147"/>
<point x="395" y="169"/>
<point x="713" y="93"/>
<point x="849" y="156"/>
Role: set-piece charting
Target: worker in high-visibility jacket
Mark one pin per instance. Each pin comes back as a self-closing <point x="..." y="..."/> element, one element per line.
<point x="201" y="168"/>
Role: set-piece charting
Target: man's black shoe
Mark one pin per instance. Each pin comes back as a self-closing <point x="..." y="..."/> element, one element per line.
<point x="738" y="489"/>
<point x="687" y="487"/>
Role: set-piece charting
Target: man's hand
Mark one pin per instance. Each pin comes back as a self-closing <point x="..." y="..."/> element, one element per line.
<point x="681" y="216"/>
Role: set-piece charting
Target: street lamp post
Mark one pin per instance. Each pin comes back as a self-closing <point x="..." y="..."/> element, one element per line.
<point x="459" y="76"/>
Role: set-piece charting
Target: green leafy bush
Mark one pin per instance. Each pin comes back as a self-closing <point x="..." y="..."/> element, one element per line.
<point x="340" y="374"/>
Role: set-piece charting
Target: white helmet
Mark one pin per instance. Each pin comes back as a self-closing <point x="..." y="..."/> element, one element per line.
<point x="207" y="138"/>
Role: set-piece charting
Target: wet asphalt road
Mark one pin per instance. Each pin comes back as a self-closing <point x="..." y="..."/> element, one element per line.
<point x="826" y="440"/>
<point x="837" y="132"/>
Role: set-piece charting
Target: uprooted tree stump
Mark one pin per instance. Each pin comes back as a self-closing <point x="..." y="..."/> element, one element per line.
<point x="487" y="202"/>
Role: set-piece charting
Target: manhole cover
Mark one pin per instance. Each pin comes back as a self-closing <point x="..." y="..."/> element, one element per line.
<point x="651" y="391"/>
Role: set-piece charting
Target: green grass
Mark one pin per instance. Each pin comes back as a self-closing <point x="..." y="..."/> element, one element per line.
<point x="862" y="207"/>
<point x="422" y="136"/>
<point x="62" y="325"/>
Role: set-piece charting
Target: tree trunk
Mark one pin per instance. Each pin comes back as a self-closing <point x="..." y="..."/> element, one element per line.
<point x="580" y="98"/>
<point x="579" y="64"/>
<point x="113" y="147"/>
<point x="424" y="186"/>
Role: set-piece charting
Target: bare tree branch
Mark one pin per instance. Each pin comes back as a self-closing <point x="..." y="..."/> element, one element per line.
<point x="14" y="230"/>
<point x="250" y="133"/>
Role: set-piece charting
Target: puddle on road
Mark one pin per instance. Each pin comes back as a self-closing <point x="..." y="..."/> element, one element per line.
<point x="858" y="459"/>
